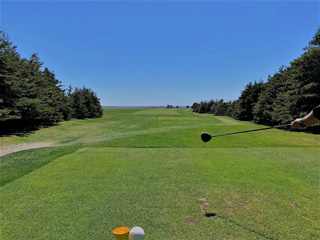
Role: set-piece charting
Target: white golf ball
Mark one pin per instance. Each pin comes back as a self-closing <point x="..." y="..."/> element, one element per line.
<point x="136" y="233"/>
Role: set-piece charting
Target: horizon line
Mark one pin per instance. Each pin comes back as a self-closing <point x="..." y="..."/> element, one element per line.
<point x="143" y="106"/>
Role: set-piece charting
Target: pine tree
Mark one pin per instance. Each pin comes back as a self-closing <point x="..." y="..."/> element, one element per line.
<point x="86" y="104"/>
<point x="264" y="110"/>
<point x="9" y="79"/>
<point x="247" y="100"/>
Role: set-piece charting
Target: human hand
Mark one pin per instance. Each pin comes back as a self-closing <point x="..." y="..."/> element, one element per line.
<point x="296" y="124"/>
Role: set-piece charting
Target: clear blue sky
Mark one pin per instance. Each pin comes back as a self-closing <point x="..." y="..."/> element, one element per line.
<point x="161" y="52"/>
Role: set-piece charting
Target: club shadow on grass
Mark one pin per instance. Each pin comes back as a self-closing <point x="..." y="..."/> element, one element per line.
<point x="214" y="215"/>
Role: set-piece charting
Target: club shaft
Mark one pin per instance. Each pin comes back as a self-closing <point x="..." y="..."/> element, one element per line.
<point x="254" y="130"/>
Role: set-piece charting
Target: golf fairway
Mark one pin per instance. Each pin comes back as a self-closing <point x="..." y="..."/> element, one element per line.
<point x="149" y="168"/>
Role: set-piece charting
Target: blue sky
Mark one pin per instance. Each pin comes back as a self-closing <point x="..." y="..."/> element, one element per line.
<point x="151" y="53"/>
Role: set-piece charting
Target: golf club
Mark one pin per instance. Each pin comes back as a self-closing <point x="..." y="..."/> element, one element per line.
<point x="206" y="137"/>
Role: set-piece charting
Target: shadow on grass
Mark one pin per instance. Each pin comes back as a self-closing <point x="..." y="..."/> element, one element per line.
<point x="210" y="215"/>
<point x="21" y="128"/>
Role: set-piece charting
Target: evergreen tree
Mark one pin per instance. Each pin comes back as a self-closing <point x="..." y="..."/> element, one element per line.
<point x="302" y="86"/>
<point x="86" y="104"/>
<point x="264" y="110"/>
<point x="315" y="42"/>
<point x="30" y="97"/>
<point x="290" y="93"/>
<point x="195" y="107"/>
<point x="203" y="107"/>
<point x="9" y="79"/>
<point x="247" y="100"/>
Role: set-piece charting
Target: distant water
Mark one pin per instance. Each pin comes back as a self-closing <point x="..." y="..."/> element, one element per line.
<point x="133" y="106"/>
<point x="140" y="106"/>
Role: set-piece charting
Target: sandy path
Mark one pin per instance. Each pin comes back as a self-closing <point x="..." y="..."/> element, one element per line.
<point x="20" y="147"/>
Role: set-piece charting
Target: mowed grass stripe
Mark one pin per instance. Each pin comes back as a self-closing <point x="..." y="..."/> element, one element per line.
<point x="17" y="165"/>
<point x="159" y="111"/>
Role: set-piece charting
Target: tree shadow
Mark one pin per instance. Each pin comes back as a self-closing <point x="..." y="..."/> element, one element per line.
<point x="20" y="128"/>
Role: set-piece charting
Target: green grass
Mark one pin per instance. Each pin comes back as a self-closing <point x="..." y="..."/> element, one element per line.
<point x="149" y="168"/>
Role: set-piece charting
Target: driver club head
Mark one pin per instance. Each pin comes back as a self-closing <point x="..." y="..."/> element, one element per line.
<point x="206" y="137"/>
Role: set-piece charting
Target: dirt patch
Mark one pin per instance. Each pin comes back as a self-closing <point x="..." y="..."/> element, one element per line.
<point x="231" y="211"/>
<point x="25" y="146"/>
<point x="204" y="203"/>
<point x="202" y="199"/>
<point x="292" y="205"/>
<point x="190" y="222"/>
<point x="237" y="196"/>
<point x="203" y="206"/>
<point x="305" y="218"/>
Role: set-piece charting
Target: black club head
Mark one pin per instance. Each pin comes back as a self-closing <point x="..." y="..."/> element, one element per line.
<point x="206" y="137"/>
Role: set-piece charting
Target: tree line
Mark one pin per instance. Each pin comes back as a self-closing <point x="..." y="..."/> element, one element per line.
<point x="290" y="93"/>
<point x="31" y="96"/>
